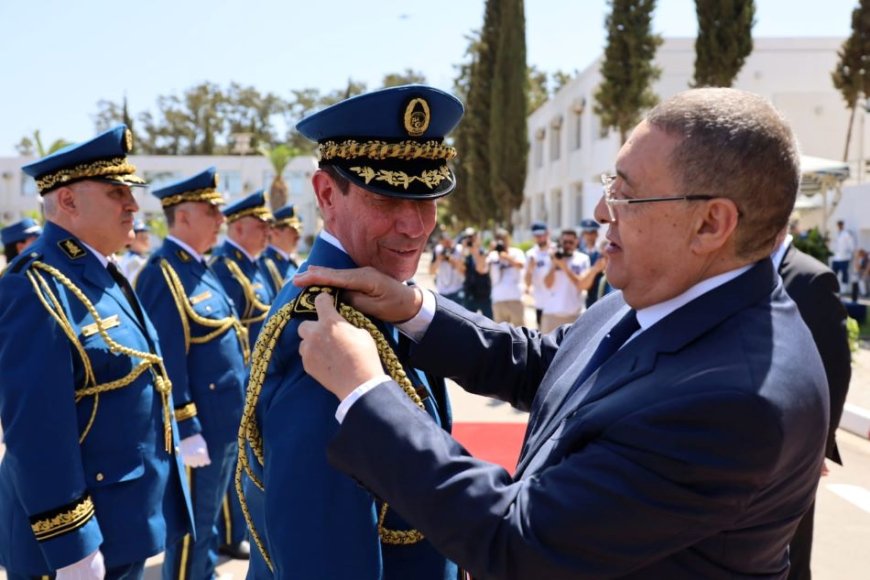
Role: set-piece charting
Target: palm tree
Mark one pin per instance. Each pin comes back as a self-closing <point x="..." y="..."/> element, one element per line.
<point x="55" y="145"/>
<point x="280" y="157"/>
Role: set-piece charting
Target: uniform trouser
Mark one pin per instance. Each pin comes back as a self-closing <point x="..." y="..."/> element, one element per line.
<point x="232" y="528"/>
<point x="196" y="560"/>
<point x="134" y="571"/>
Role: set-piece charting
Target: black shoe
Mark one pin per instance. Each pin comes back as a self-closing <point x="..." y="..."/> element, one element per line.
<point x="240" y="551"/>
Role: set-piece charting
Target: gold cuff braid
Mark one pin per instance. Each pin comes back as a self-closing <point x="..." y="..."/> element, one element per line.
<point x="65" y="521"/>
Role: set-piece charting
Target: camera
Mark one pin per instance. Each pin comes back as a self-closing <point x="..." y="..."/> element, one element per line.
<point x="469" y="241"/>
<point x="561" y="253"/>
<point x="500" y="247"/>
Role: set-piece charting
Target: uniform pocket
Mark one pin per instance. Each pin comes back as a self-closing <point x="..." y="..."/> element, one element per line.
<point x="115" y="468"/>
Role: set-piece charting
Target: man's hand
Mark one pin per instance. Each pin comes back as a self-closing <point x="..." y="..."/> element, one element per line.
<point x="91" y="567"/>
<point x="369" y="291"/>
<point x="337" y="354"/>
<point x="194" y="451"/>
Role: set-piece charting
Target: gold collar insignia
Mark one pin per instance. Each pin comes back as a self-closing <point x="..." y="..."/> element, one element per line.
<point x="72" y="249"/>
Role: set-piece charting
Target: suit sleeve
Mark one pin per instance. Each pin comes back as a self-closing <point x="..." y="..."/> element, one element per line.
<point x="157" y="298"/>
<point x="632" y="483"/>
<point x="496" y="360"/>
<point x="40" y="426"/>
<point x="311" y="508"/>
<point x="826" y="319"/>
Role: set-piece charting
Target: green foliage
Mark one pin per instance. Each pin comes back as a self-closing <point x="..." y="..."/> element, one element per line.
<point x="508" y="137"/>
<point x="409" y="77"/>
<point x="851" y="76"/>
<point x="724" y="40"/>
<point x="627" y="70"/>
<point x="853" y="331"/>
<point x="813" y="243"/>
<point x="279" y="156"/>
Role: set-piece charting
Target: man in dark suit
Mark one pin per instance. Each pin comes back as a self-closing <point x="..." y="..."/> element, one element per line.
<point x="814" y="288"/>
<point x="690" y="452"/>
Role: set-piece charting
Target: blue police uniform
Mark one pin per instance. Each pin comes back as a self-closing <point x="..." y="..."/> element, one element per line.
<point x="309" y="520"/>
<point x="20" y="231"/>
<point x="278" y="266"/>
<point x="205" y="347"/>
<point x="85" y="402"/>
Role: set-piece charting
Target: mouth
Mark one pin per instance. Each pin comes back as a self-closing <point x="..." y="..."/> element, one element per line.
<point x="612" y="246"/>
<point x="403" y="253"/>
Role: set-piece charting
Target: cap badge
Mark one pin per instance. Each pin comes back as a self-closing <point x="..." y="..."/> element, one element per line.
<point x="416" y="117"/>
<point x="128" y="140"/>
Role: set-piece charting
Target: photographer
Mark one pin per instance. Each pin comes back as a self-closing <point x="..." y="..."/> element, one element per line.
<point x="477" y="286"/>
<point x="505" y="269"/>
<point x="448" y="267"/>
<point x="537" y="266"/>
<point x="568" y="278"/>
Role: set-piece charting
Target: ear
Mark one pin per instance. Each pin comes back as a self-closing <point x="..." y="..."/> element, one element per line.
<point x="715" y="226"/>
<point x="326" y="192"/>
<point x="66" y="201"/>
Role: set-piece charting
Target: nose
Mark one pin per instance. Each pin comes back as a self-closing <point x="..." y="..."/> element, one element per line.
<point x="601" y="213"/>
<point x="410" y="220"/>
<point x="130" y="201"/>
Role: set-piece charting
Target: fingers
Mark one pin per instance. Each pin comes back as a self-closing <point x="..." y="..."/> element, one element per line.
<point x="360" y="279"/>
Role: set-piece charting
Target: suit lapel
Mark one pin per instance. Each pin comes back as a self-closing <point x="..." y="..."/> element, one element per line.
<point x="638" y="357"/>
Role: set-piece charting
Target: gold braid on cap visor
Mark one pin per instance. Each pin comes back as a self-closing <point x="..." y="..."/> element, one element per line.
<point x="261" y="212"/>
<point x="380" y="150"/>
<point x="209" y="195"/>
<point x="117" y="167"/>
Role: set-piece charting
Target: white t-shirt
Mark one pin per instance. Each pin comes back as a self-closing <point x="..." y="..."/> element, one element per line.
<point x="563" y="298"/>
<point x="507" y="279"/>
<point x="843" y="246"/>
<point x="448" y="280"/>
<point x="540" y="258"/>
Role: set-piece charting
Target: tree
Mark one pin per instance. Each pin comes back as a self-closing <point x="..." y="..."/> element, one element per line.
<point x="409" y="77"/>
<point x="724" y="40"/>
<point x="851" y="75"/>
<point x="537" y="88"/>
<point x="627" y="70"/>
<point x="508" y="138"/>
<point x="279" y="157"/>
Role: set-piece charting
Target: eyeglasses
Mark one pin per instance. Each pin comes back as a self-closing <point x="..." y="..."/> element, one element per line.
<point x="608" y="180"/>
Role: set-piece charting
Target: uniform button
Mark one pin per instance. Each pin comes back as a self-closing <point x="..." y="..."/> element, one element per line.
<point x="177" y="449"/>
<point x="100" y="477"/>
<point x="211" y="386"/>
<point x="208" y="308"/>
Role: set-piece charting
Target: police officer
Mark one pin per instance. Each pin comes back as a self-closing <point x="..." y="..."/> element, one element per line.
<point x="235" y="261"/>
<point x="18" y="236"/>
<point x="91" y="484"/>
<point x="279" y="257"/>
<point x="589" y="246"/>
<point x="205" y="346"/>
<point x="383" y="163"/>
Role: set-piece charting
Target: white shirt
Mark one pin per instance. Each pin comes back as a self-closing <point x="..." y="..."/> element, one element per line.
<point x="448" y="280"/>
<point x="563" y="298"/>
<point x="844" y="245"/>
<point x="196" y="255"/>
<point x="507" y="279"/>
<point x="242" y="250"/>
<point x="540" y="258"/>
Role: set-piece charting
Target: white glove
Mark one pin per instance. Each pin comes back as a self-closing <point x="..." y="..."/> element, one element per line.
<point x="91" y="567"/>
<point x="194" y="451"/>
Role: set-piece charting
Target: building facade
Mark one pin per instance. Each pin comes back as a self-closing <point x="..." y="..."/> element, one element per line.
<point x="569" y="151"/>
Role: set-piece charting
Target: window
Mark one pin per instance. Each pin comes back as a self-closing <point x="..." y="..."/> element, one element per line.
<point x="231" y="183"/>
<point x="556" y="207"/>
<point x="28" y="187"/>
<point x="540" y="212"/>
<point x="556" y="138"/>
<point x="578" y="202"/>
<point x="538" y="147"/>
<point x="577" y="109"/>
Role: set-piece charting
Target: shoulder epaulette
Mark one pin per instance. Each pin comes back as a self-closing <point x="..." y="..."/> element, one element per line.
<point x="22" y="262"/>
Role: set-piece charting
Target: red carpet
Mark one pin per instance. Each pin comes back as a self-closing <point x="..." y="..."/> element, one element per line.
<point x="495" y="442"/>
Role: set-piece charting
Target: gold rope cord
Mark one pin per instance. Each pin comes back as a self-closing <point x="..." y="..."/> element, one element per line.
<point x="252" y="302"/>
<point x="249" y="432"/>
<point x="277" y="278"/>
<point x="187" y="313"/>
<point x="150" y="361"/>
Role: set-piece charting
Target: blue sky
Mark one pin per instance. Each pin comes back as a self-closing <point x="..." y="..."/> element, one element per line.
<point x="59" y="57"/>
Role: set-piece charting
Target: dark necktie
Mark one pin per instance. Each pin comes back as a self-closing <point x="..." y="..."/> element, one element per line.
<point x="122" y="281"/>
<point x="614" y="339"/>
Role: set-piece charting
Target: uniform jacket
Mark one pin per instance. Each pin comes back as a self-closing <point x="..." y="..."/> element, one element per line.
<point x="815" y="290"/>
<point x="316" y="521"/>
<point x="208" y="379"/>
<point x="691" y="453"/>
<point x="118" y="489"/>
<point x="246" y="293"/>
<point x="277" y="268"/>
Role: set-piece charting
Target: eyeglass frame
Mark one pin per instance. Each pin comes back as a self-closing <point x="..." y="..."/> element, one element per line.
<point x="607" y="180"/>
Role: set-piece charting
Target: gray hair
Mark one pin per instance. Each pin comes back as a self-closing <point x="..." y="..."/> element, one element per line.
<point x="735" y="145"/>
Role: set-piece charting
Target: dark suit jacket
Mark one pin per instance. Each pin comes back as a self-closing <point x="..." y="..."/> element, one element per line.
<point x="691" y="453"/>
<point x="814" y="288"/>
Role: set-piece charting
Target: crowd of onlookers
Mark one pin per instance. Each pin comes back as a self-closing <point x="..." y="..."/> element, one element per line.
<point x="850" y="263"/>
<point x="561" y="276"/>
